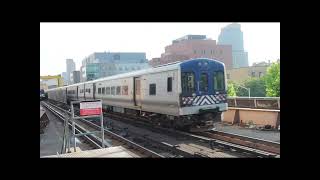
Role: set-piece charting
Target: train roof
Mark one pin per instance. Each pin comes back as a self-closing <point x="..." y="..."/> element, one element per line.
<point x="160" y="68"/>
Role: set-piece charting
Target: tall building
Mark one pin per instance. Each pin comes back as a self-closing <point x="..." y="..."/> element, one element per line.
<point x="71" y="66"/>
<point x="74" y="77"/>
<point x="64" y="76"/>
<point x="232" y="35"/>
<point x="194" y="46"/>
<point x="98" y="65"/>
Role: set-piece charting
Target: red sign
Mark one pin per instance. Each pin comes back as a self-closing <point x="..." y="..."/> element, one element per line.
<point x="90" y="108"/>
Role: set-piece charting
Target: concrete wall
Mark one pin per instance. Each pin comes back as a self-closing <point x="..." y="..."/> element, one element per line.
<point x="259" y="117"/>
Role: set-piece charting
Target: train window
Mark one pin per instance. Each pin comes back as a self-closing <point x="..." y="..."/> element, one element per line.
<point x="118" y="90"/>
<point x="204" y="82"/>
<point x="218" y="81"/>
<point x="103" y="90"/>
<point x="107" y="90"/>
<point x="113" y="90"/>
<point x="124" y="90"/>
<point x="188" y="82"/>
<point x="152" y="89"/>
<point x="169" y="84"/>
<point x="99" y="90"/>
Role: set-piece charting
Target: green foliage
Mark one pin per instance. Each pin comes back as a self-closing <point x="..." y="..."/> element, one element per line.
<point x="272" y="80"/>
<point x="231" y="89"/>
<point x="256" y="85"/>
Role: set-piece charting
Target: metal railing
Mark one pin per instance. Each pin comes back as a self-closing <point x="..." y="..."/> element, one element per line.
<point x="254" y="102"/>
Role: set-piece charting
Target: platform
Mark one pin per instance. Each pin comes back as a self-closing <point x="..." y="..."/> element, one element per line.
<point x="111" y="152"/>
<point x="266" y="135"/>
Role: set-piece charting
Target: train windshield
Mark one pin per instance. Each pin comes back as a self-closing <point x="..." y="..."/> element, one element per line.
<point x="218" y="81"/>
<point x="188" y="83"/>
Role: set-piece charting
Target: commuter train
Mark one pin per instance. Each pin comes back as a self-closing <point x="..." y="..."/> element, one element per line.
<point x="188" y="95"/>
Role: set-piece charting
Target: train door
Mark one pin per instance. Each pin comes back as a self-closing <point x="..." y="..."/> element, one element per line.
<point x="77" y="96"/>
<point x="84" y="91"/>
<point x="203" y="82"/>
<point x="94" y="91"/>
<point x="137" y="91"/>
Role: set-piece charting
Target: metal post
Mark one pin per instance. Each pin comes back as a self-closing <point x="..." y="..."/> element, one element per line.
<point x="279" y="103"/>
<point x="102" y="129"/>
<point x="249" y="92"/>
<point x="68" y="136"/>
<point x="255" y="103"/>
<point x="73" y="128"/>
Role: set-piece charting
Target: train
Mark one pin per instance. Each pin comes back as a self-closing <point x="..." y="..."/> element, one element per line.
<point x="189" y="95"/>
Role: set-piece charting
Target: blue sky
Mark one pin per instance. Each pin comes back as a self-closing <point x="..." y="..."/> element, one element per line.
<point x="60" y="41"/>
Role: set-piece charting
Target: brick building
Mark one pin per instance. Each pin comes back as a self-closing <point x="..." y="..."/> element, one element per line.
<point x="194" y="46"/>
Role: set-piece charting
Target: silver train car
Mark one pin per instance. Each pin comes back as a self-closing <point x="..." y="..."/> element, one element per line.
<point x="188" y="95"/>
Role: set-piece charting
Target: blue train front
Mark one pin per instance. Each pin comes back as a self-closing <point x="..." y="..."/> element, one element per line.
<point x="203" y="95"/>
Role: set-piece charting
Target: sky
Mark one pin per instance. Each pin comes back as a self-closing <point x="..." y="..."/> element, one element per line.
<point x="61" y="41"/>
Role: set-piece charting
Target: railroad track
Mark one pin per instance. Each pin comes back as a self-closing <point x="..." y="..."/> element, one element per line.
<point x="247" y="147"/>
<point x="87" y="138"/>
<point x="84" y="126"/>
<point x="260" y="144"/>
<point x="173" y="146"/>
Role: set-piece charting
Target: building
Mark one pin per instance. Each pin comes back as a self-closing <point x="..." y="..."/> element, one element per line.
<point x="64" y="76"/>
<point x="98" y="65"/>
<point x="239" y="75"/>
<point x="194" y="46"/>
<point x="232" y="35"/>
<point x="74" y="77"/>
<point x="71" y="66"/>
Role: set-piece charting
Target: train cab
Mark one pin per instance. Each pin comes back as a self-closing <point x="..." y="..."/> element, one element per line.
<point x="203" y="88"/>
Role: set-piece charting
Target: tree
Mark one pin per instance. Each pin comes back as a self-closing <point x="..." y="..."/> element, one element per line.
<point x="272" y="80"/>
<point x="256" y="85"/>
<point x="231" y="89"/>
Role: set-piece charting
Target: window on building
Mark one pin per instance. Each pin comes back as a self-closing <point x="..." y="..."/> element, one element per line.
<point x="260" y="74"/>
<point x="139" y="68"/>
<point x="89" y="90"/>
<point x="195" y="52"/>
<point x="107" y="90"/>
<point x="133" y="68"/>
<point x="113" y="90"/>
<point x="253" y="74"/>
<point x="126" y="68"/>
<point x="188" y="83"/>
<point x="204" y="82"/>
<point x="152" y="89"/>
<point x="204" y="51"/>
<point x="99" y="90"/>
<point x="118" y="90"/>
<point x="228" y="76"/>
<point x="169" y="84"/>
<point x="103" y="90"/>
<point x="120" y="68"/>
<point x="124" y="90"/>
<point x="218" y="81"/>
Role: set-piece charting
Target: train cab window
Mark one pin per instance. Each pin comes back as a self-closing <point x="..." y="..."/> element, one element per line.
<point x="118" y="90"/>
<point x="188" y="82"/>
<point x="218" y="81"/>
<point x="169" y="84"/>
<point x="152" y="89"/>
<point x="124" y="90"/>
<point x="99" y="90"/>
<point x="204" y="82"/>
<point x="113" y="90"/>
<point x="103" y="90"/>
<point x="107" y="90"/>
